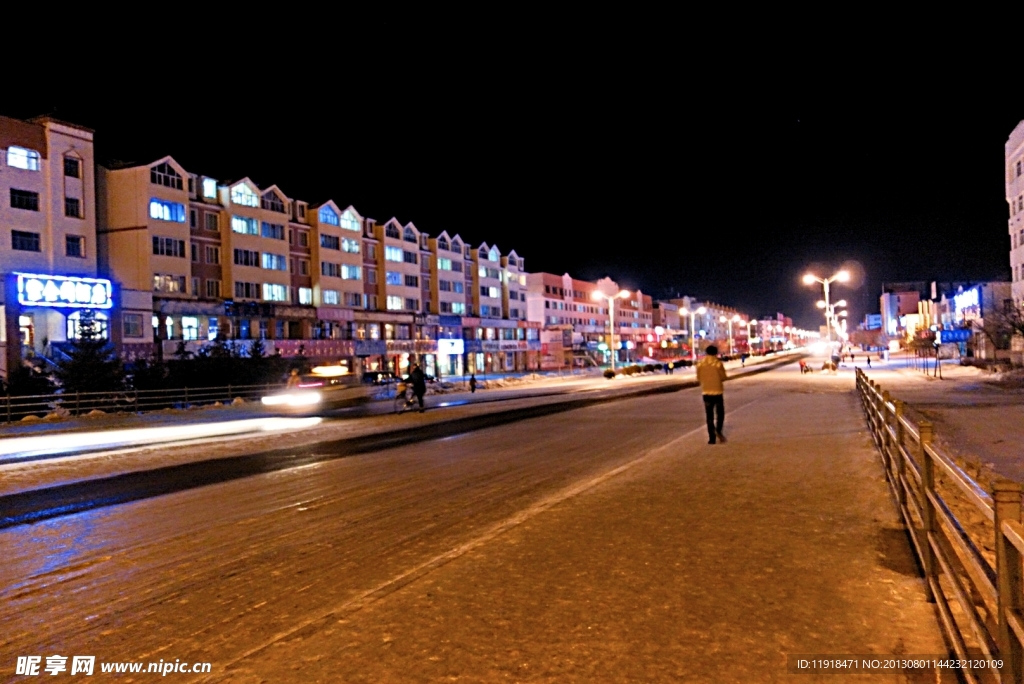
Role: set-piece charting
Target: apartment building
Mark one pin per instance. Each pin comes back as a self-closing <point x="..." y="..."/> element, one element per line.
<point x="1014" y="179"/>
<point x="48" y="247"/>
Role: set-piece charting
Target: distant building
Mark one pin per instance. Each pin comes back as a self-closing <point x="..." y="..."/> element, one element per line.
<point x="1014" y="178"/>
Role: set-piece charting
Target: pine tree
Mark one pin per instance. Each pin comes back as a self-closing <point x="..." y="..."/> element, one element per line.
<point x="91" y="365"/>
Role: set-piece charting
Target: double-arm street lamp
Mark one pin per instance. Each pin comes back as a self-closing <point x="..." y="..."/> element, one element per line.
<point x="693" y="315"/>
<point x="608" y="290"/>
<point x="842" y="277"/>
<point x="736" y="318"/>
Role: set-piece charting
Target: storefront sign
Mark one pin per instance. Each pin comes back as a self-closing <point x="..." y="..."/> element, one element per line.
<point x="64" y="291"/>
<point x="371" y="348"/>
<point x="945" y="336"/>
<point x="451" y="347"/>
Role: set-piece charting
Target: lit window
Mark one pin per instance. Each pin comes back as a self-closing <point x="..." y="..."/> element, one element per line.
<point x="350" y="272"/>
<point x="444" y="264"/>
<point x="165" y="175"/>
<point x="166" y="211"/>
<point x="394" y="303"/>
<point x="331" y="297"/>
<point x="273" y="292"/>
<point x="493" y="254"/>
<point x="328" y="216"/>
<point x="274" y="262"/>
<point x="305" y="295"/>
<point x="349" y="221"/>
<point x="242" y="194"/>
<point x="21" y="158"/>
<point x="209" y="188"/>
<point x="458" y="308"/>
<point x="168" y="283"/>
<point x="274" y="231"/>
<point x="189" y="328"/>
<point x="350" y="246"/>
<point x="393" y="278"/>
<point x="393" y="254"/>
<point x="246" y="226"/>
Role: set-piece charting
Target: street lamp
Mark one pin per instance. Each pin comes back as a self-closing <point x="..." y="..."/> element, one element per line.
<point x="604" y="291"/>
<point x="723" y="319"/>
<point x="842" y="277"/>
<point x="693" y="315"/>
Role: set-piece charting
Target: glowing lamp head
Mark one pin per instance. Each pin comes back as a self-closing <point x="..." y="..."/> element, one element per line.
<point x="702" y="310"/>
<point x="820" y="304"/>
<point x="809" y="279"/>
<point x="622" y="294"/>
<point x="596" y="296"/>
<point x="736" y="318"/>
<point x="841" y="302"/>
<point x="843" y="276"/>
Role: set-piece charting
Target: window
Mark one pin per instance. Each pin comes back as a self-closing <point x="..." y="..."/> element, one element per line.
<point x="24" y="199"/>
<point x="132" y="325"/>
<point x="394" y="303"/>
<point x="353" y="299"/>
<point x="73" y="167"/>
<point x="24" y="242"/>
<point x="370" y="302"/>
<point x="72" y="207"/>
<point x="458" y="308"/>
<point x="330" y="297"/>
<point x="273" y="292"/>
<point x="412" y="304"/>
<point x="212" y="222"/>
<point x="456" y="246"/>
<point x="21" y="158"/>
<point x="164" y="246"/>
<point x="272" y="202"/>
<point x="330" y="242"/>
<point x="390" y="253"/>
<point x="329" y="269"/>
<point x="192" y="218"/>
<point x="212" y="254"/>
<point x="444" y="264"/>
<point x="304" y="267"/>
<point x="168" y="283"/>
<point x="442" y="243"/>
<point x="303" y="238"/>
<point x="349" y="221"/>
<point x="493" y="254"/>
<point x="350" y="246"/>
<point x="275" y="231"/>
<point x="305" y="295"/>
<point x="165" y="175"/>
<point x="350" y="272"/>
<point x="246" y="226"/>
<point x="392" y="231"/>
<point x="209" y="188"/>
<point x="302" y="211"/>
<point x="393" y="278"/>
<point x="409" y="235"/>
<point x="444" y="285"/>
<point x="166" y="211"/>
<point x="371" y="251"/>
<point x="195" y="286"/>
<point x="412" y="281"/>
<point x="74" y="246"/>
<point x="195" y="256"/>
<point x="242" y="194"/>
<point x="274" y="262"/>
<point x="1018" y="167"/>
<point x="458" y="287"/>
<point x="247" y="290"/>
<point x="328" y="216"/>
<point x="247" y="257"/>
<point x="213" y="289"/>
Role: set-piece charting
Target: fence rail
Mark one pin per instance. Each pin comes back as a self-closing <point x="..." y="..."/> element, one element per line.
<point x="980" y="605"/>
<point x="15" y="408"/>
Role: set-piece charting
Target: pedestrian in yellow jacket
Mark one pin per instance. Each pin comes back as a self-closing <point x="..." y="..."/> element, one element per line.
<point x="711" y="374"/>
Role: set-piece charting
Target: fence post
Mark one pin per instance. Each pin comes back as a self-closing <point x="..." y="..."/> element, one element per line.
<point x="8" y="408"/>
<point x="901" y="493"/>
<point x="927" y="510"/>
<point x="186" y="396"/>
<point x="886" y="439"/>
<point x="78" y="409"/>
<point x="1006" y="497"/>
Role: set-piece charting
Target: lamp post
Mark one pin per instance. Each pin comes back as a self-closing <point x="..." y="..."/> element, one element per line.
<point x="693" y="315"/>
<point x="723" y="319"/>
<point x="842" y="277"/>
<point x="608" y="290"/>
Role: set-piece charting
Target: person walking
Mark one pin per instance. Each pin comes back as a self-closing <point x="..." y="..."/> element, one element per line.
<point x="419" y="384"/>
<point x="472" y="383"/>
<point x="711" y="374"/>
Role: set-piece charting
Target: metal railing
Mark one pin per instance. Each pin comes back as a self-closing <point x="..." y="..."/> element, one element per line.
<point x="15" y="408"/>
<point x="979" y="604"/>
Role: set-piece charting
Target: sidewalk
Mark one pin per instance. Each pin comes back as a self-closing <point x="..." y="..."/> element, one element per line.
<point x="692" y="563"/>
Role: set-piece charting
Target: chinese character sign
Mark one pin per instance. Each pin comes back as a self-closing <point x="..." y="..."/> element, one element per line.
<point x="64" y="291"/>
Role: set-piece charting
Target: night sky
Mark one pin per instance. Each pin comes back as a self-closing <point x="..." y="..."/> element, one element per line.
<point x="638" y="164"/>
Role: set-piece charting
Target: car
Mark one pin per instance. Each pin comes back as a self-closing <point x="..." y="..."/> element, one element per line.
<point x="379" y="378"/>
<point x="326" y="388"/>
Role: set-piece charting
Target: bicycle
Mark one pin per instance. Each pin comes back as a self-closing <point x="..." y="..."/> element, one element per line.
<point x="405" y="400"/>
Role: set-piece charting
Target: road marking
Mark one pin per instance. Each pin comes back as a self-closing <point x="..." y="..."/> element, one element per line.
<point x="403" y="579"/>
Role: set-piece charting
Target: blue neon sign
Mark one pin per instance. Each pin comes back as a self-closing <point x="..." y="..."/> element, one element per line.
<point x="64" y="291"/>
